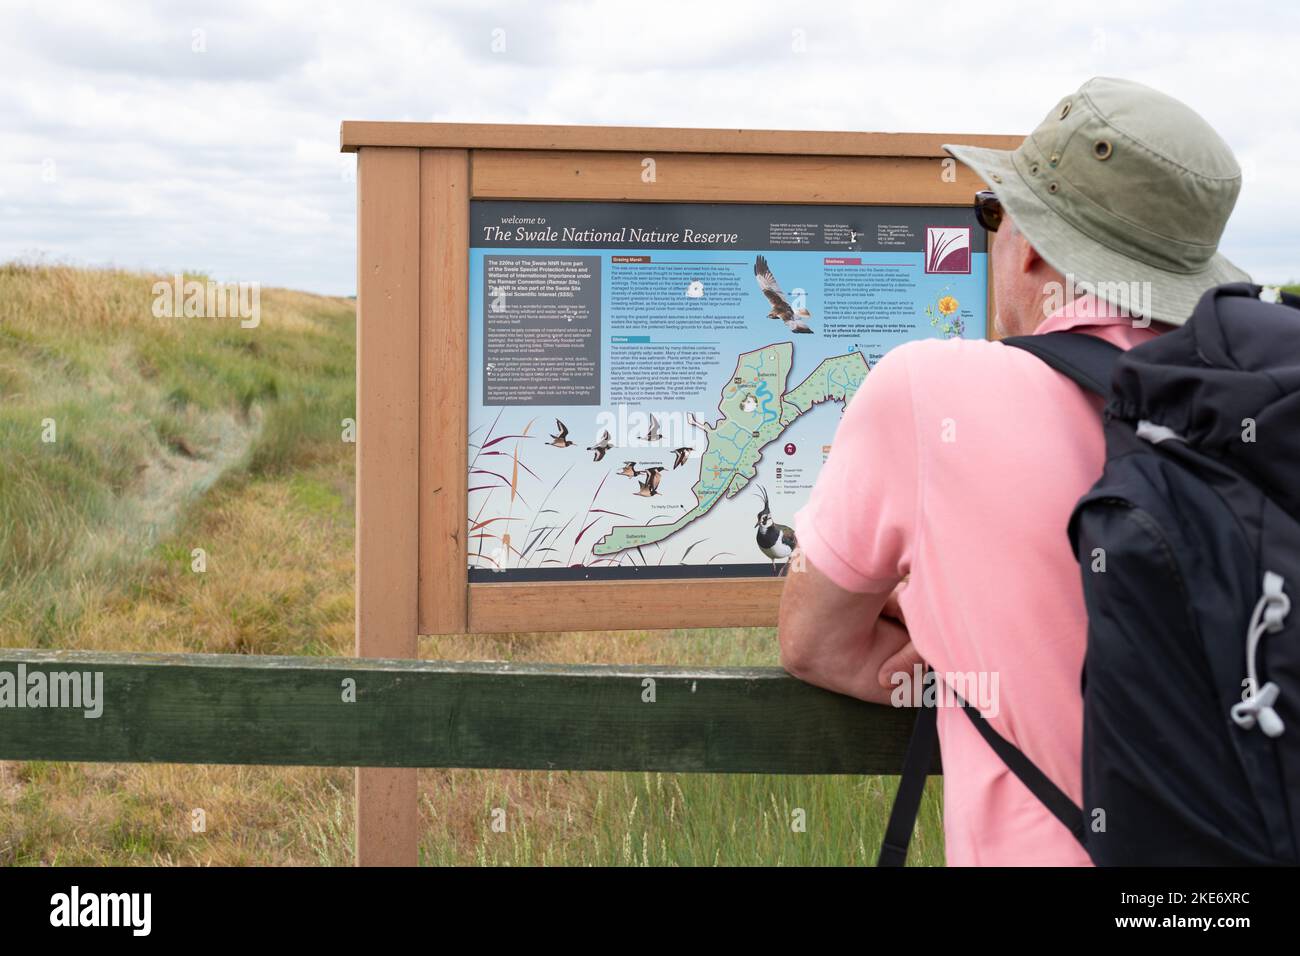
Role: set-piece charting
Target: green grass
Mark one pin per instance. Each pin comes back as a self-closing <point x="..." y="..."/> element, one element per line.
<point x="145" y="415"/>
<point x="180" y="434"/>
<point x="661" y="819"/>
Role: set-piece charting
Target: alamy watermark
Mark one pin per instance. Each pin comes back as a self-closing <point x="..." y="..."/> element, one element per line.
<point x="75" y="908"/>
<point x="73" y="690"/>
<point x="926" y="688"/>
<point x="1130" y="300"/>
<point x="193" y="299"/>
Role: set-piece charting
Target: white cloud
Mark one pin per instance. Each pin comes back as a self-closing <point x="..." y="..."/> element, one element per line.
<point x="124" y="145"/>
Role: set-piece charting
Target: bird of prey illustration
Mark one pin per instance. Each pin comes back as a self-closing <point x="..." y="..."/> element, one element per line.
<point x="679" y="456"/>
<point x="628" y="469"/>
<point x="781" y="308"/>
<point x="776" y="541"/>
<point x="650" y="487"/>
<point x="653" y="434"/>
<point x="601" y="446"/>
<point x="562" y="439"/>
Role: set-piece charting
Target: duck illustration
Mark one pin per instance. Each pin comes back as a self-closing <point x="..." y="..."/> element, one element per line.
<point x="781" y="308"/>
<point x="776" y="541"/>
<point x="562" y="439"/>
<point x="601" y="446"/>
<point x="650" y="487"/>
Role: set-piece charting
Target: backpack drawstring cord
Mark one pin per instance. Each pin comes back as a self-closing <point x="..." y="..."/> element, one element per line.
<point x="1270" y="611"/>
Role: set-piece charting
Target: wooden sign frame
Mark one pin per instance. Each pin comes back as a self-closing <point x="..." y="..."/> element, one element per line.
<point x="415" y="182"/>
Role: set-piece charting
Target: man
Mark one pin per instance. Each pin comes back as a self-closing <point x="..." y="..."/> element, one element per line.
<point x="957" y="464"/>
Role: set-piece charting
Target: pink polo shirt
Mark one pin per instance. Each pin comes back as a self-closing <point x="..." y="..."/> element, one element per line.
<point x="959" y="462"/>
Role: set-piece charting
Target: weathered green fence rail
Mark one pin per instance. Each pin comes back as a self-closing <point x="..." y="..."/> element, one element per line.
<point x="236" y="709"/>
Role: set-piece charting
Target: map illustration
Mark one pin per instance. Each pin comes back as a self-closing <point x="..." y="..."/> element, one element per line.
<point x="645" y="378"/>
<point x="737" y="439"/>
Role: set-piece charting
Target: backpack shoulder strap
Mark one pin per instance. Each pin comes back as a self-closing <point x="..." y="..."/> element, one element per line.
<point x="916" y="766"/>
<point x="1086" y="359"/>
<point x="911" y="785"/>
<point x="1056" y="800"/>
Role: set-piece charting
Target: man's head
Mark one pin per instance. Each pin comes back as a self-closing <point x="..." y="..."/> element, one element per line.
<point x="1122" y="191"/>
<point x="1023" y="282"/>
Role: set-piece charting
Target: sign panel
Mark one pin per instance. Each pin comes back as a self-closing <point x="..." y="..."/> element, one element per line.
<point x="653" y="386"/>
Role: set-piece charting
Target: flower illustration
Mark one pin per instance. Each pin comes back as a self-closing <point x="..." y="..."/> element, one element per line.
<point x="943" y="316"/>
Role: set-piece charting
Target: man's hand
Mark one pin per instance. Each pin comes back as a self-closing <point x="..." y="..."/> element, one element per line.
<point x="907" y="656"/>
<point x="838" y="639"/>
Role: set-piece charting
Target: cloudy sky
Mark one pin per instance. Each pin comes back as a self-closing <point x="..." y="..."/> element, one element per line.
<point x="176" y="135"/>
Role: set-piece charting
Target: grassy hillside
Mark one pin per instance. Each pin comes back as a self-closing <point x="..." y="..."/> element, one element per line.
<point x="177" y="434"/>
<point x="148" y="416"/>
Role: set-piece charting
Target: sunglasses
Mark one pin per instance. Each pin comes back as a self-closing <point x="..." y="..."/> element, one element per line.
<point x="988" y="210"/>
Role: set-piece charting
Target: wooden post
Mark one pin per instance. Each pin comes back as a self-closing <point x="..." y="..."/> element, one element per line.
<point x="388" y="433"/>
<point x="444" y="389"/>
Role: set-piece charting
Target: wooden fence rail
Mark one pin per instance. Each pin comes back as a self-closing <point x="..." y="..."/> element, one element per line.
<point x="300" y="711"/>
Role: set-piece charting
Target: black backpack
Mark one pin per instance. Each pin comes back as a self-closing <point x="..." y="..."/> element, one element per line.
<point x="1189" y="547"/>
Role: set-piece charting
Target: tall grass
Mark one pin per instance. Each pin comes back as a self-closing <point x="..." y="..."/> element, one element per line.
<point x="145" y="414"/>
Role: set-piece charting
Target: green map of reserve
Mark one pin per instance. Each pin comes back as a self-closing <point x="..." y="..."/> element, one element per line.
<point x="756" y="408"/>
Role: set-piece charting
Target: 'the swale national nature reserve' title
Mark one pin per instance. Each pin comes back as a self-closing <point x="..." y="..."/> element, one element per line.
<point x="71" y="690"/>
<point x="623" y="236"/>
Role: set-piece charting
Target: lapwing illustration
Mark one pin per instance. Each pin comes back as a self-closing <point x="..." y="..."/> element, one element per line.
<point x="653" y="433"/>
<point x="601" y="446"/>
<point x="562" y="439"/>
<point x="650" y="487"/>
<point x="774" y="540"/>
<point x="628" y="469"/>
<point x="781" y="308"/>
<point x="680" y="455"/>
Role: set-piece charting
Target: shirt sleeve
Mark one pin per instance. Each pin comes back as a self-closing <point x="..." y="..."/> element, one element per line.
<point x="858" y="527"/>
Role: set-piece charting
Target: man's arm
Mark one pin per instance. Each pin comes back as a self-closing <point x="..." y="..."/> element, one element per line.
<point x="855" y="543"/>
<point x="839" y="639"/>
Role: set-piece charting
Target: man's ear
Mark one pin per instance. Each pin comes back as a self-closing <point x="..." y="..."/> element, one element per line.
<point x="1029" y="257"/>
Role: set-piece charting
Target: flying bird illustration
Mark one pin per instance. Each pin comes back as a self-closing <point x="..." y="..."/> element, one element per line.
<point x="653" y="434"/>
<point x="628" y="469"/>
<point x="601" y="446"/>
<point x="650" y="487"/>
<point x="774" y="540"/>
<point x="562" y="439"/>
<point x="781" y="308"/>
<point x="679" y="456"/>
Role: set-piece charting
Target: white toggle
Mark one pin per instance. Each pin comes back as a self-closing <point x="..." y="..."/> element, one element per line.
<point x="1271" y="610"/>
<point x="1260" y="707"/>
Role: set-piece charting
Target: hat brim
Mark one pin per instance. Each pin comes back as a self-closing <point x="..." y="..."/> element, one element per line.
<point x="1141" y="289"/>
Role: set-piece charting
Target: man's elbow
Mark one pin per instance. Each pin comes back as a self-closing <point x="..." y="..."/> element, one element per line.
<point x="797" y="658"/>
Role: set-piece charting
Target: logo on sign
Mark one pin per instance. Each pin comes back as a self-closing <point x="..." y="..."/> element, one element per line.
<point x="947" y="250"/>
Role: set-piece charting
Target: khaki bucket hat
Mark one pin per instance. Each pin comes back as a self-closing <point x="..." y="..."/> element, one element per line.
<point x="1124" y="190"/>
